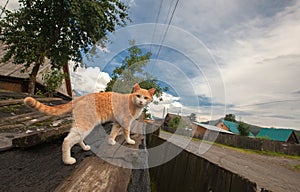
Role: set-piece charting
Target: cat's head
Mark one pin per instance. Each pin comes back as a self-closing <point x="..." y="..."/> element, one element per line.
<point x="142" y="97"/>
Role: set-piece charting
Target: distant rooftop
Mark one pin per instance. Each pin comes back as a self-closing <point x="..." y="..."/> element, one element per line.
<point x="276" y="134"/>
<point x="213" y="128"/>
<point x="232" y="126"/>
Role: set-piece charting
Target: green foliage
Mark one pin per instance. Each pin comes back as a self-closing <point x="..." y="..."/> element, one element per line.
<point x="230" y="117"/>
<point x="53" y="80"/>
<point x="132" y="71"/>
<point x="40" y="92"/>
<point x="174" y="123"/>
<point x="193" y="117"/>
<point x="59" y="30"/>
<point x="244" y="129"/>
<point x="146" y="113"/>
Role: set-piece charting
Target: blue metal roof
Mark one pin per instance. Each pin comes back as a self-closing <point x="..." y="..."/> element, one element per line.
<point x="232" y="126"/>
<point x="275" y="134"/>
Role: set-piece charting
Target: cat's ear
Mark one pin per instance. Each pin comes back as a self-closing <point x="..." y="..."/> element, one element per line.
<point x="136" y="88"/>
<point x="151" y="91"/>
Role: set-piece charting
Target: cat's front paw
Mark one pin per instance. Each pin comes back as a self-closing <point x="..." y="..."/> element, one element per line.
<point x="111" y="141"/>
<point x="130" y="141"/>
<point x="69" y="161"/>
<point x="86" y="148"/>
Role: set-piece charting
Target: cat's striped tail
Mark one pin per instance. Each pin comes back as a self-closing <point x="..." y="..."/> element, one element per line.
<point x="49" y="110"/>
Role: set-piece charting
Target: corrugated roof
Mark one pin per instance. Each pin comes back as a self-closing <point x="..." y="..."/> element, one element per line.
<point x="232" y="126"/>
<point x="275" y="134"/>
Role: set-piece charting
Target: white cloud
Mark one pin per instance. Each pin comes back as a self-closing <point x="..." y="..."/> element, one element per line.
<point x="256" y="44"/>
<point x="261" y="65"/>
<point x="88" y="80"/>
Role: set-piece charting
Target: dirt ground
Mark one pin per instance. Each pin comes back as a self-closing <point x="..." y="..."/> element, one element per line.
<point x="37" y="168"/>
<point x="274" y="173"/>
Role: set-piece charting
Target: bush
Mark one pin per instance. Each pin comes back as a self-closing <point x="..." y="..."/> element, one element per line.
<point x="174" y="123"/>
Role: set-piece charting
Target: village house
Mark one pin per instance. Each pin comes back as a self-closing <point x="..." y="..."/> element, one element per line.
<point x="199" y="129"/>
<point x="231" y="126"/>
<point x="12" y="79"/>
<point x="283" y="135"/>
<point x="195" y="129"/>
<point x="184" y="119"/>
<point x="228" y="126"/>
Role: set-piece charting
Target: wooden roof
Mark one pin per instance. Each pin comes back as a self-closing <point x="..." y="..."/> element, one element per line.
<point x="10" y="69"/>
<point x="41" y="165"/>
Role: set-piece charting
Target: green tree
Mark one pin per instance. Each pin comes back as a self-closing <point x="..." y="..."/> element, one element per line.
<point x="132" y="71"/>
<point x="174" y="123"/>
<point x="244" y="129"/>
<point x="230" y="117"/>
<point x="60" y="30"/>
<point x="193" y="117"/>
<point x="53" y="80"/>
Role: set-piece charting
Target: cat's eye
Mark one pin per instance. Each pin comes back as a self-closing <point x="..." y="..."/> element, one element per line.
<point x="146" y="98"/>
<point x="138" y="96"/>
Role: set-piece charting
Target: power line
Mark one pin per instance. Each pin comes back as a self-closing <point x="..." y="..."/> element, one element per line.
<point x="4" y="8"/>
<point x="156" y="21"/>
<point x="165" y="33"/>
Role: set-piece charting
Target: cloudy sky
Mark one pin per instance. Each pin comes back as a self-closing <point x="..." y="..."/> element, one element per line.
<point x="217" y="57"/>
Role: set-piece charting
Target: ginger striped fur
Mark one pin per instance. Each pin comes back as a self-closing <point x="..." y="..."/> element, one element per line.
<point x="97" y="108"/>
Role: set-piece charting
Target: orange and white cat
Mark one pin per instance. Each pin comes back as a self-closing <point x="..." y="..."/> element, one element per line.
<point x="97" y="108"/>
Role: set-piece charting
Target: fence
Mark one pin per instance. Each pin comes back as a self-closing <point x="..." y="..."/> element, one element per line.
<point x="189" y="172"/>
<point x="247" y="142"/>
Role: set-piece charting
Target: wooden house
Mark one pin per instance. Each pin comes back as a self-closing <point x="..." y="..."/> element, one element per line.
<point x="283" y="135"/>
<point x="228" y="126"/>
<point x="11" y="77"/>
<point x="199" y="129"/>
<point x="231" y="126"/>
<point x="184" y="119"/>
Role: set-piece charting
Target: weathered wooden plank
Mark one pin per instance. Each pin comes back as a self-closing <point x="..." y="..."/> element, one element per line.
<point x="40" y="136"/>
<point x="38" y="119"/>
<point x="6" y="120"/>
<point x="121" y="154"/>
<point x="13" y="126"/>
<point x="106" y="173"/>
<point x="29" y="119"/>
<point x="95" y="174"/>
<point x="20" y="101"/>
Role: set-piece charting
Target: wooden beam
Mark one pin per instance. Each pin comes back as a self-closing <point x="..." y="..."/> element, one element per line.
<point x="95" y="174"/>
<point x="101" y="173"/>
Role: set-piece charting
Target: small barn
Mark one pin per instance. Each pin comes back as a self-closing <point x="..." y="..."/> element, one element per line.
<point x="283" y="135"/>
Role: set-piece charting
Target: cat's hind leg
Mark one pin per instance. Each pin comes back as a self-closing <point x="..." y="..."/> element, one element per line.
<point x="84" y="146"/>
<point x="72" y="139"/>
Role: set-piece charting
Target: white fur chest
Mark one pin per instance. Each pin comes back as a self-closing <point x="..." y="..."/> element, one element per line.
<point x="138" y="112"/>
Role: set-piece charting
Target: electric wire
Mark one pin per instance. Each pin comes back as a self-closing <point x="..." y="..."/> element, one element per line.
<point x="3" y="9"/>
<point x="166" y="31"/>
<point x="156" y="22"/>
